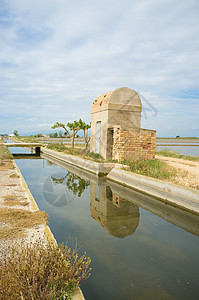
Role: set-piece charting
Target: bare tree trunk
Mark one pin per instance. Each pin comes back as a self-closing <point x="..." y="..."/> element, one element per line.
<point x="85" y="144"/>
<point x="73" y="140"/>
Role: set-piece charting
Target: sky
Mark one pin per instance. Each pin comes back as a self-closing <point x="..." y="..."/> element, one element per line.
<point x="57" y="56"/>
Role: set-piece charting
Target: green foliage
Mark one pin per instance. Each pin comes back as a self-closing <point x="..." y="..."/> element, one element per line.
<point x="39" y="271"/>
<point x="60" y="134"/>
<point x="54" y="135"/>
<point x="15" y="132"/>
<point x="83" y="126"/>
<point x="176" y="154"/>
<point x="58" y="125"/>
<point x="75" y="127"/>
<point x="73" y="182"/>
<point x="39" y="135"/>
<point x="152" y="168"/>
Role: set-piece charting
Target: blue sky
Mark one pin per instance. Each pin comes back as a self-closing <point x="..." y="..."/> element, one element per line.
<point x="57" y="56"/>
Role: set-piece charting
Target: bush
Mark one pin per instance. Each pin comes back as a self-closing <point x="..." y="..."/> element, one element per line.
<point x="41" y="271"/>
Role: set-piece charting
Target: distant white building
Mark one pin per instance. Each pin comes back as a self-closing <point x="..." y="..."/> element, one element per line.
<point x="11" y="135"/>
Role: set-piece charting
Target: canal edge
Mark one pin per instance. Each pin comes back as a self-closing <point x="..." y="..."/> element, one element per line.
<point x="78" y="294"/>
<point x="175" y="195"/>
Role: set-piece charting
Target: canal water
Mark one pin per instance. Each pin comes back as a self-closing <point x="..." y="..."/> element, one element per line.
<point x="139" y="247"/>
<point x="185" y="150"/>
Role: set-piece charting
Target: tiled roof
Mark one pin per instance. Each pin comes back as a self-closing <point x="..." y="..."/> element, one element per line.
<point x="102" y="99"/>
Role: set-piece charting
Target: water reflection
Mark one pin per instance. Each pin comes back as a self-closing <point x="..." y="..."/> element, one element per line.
<point x="60" y="189"/>
<point x="113" y="206"/>
<point x="158" y="260"/>
<point x="118" y="216"/>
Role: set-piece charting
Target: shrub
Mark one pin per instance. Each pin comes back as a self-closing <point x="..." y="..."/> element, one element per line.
<point x="41" y="271"/>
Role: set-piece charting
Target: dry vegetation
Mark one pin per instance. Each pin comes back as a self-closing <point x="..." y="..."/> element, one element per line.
<point x="17" y="220"/>
<point x="41" y="272"/>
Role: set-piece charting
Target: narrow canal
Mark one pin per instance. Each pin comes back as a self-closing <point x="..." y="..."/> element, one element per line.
<point x="140" y="248"/>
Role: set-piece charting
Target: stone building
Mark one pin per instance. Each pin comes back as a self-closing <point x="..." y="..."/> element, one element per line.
<point x="116" y="131"/>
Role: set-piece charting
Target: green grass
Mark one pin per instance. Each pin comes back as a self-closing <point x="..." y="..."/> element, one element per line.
<point x="176" y="154"/>
<point x="78" y="151"/>
<point x="151" y="168"/>
<point x="95" y="156"/>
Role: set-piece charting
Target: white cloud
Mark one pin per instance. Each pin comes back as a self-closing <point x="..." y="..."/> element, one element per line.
<point x="57" y="56"/>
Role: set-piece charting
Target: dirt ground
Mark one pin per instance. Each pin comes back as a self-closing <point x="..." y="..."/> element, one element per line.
<point x="187" y="172"/>
<point x="15" y="196"/>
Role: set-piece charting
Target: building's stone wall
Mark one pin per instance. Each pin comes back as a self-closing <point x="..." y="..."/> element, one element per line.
<point x="133" y="143"/>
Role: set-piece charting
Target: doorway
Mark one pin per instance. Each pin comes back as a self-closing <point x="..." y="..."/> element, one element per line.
<point x="98" y="132"/>
<point x="109" y="142"/>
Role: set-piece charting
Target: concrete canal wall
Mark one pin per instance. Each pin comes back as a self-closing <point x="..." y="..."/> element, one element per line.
<point x="88" y="165"/>
<point x="185" y="198"/>
<point x="173" y="194"/>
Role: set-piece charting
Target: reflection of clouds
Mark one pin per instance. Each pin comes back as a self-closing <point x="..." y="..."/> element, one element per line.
<point x="61" y="188"/>
<point x="117" y="215"/>
<point x="56" y="193"/>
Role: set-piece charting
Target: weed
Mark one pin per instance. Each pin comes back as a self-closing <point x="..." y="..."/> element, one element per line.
<point x="41" y="271"/>
<point x="14" y="176"/>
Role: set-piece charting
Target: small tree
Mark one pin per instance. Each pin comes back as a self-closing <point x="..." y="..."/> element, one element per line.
<point x="39" y="135"/>
<point x="15" y="132"/>
<point x="53" y="135"/>
<point x="57" y="125"/>
<point x="74" y="127"/>
<point x="60" y="134"/>
<point x="85" y="128"/>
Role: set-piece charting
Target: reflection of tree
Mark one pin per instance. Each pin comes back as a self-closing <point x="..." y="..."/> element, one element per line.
<point x="73" y="182"/>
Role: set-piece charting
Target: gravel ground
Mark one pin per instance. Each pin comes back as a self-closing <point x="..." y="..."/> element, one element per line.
<point x="187" y="171"/>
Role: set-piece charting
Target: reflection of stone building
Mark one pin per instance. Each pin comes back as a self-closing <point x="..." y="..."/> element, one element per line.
<point x="117" y="215"/>
<point x="116" y="127"/>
